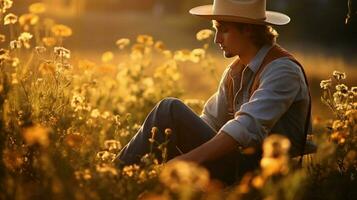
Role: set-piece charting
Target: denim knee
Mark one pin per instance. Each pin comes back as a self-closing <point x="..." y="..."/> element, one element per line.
<point x="171" y="101"/>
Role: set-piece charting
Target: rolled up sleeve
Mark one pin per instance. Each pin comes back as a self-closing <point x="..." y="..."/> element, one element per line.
<point x="279" y="85"/>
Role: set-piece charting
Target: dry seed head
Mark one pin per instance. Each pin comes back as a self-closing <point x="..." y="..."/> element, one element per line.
<point x="15" y="44"/>
<point x="339" y="75"/>
<point x="325" y="84"/>
<point x="10" y="19"/>
<point x="5" y="4"/>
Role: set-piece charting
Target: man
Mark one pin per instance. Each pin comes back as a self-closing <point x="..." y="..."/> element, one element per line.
<point x="263" y="91"/>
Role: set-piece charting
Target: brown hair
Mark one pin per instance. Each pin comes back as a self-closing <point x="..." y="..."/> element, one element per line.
<point x="260" y="34"/>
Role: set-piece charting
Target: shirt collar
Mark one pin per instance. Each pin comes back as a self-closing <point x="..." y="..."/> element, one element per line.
<point x="255" y="63"/>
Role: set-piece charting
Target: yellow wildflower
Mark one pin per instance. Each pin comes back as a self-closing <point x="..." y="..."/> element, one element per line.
<point x="36" y="134"/>
<point x="112" y="145"/>
<point x="37" y="8"/>
<point x="49" y="41"/>
<point x="12" y="159"/>
<point x="182" y="55"/>
<point x="197" y="54"/>
<point x="28" y="19"/>
<point x="204" y="34"/>
<point x="107" y="56"/>
<point x="107" y="169"/>
<point x="342" y="88"/>
<point x="184" y="175"/>
<point x="159" y="46"/>
<point x="145" y="39"/>
<point x="61" y="30"/>
<point x="2" y="38"/>
<point x="168" y="131"/>
<point x="122" y="43"/>
<point x="10" y="19"/>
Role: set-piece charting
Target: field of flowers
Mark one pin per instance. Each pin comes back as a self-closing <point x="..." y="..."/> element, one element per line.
<point x="63" y="122"/>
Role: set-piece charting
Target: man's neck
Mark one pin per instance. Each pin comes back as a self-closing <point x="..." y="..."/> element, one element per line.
<point x="249" y="53"/>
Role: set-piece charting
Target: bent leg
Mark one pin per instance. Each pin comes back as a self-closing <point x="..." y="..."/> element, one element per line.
<point x="188" y="132"/>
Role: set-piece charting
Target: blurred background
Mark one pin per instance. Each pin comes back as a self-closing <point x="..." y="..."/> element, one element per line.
<point x="317" y="34"/>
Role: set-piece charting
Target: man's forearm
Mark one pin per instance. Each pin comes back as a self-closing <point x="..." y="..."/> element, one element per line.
<point x="217" y="147"/>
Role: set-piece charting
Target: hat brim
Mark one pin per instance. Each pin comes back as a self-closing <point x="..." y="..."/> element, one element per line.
<point x="272" y="18"/>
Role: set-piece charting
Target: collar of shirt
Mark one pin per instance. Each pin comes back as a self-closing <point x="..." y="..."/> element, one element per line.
<point x="255" y="63"/>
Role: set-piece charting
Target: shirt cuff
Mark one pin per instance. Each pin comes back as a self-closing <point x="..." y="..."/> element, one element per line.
<point x="236" y="129"/>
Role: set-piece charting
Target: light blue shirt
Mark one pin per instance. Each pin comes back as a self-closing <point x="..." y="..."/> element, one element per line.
<point x="279" y="105"/>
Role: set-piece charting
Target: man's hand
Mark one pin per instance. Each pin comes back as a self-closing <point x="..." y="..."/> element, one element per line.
<point x="215" y="148"/>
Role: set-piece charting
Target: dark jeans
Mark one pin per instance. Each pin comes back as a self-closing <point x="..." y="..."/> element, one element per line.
<point x="188" y="132"/>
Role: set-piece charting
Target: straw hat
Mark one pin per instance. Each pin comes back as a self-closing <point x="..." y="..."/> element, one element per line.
<point x="244" y="11"/>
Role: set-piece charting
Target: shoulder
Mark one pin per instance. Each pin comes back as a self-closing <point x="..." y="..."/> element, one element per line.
<point x="282" y="67"/>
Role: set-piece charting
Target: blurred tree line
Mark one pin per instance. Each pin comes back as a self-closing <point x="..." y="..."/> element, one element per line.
<point x="316" y="21"/>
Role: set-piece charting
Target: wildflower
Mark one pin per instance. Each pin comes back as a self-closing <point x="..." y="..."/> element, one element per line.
<point x="339" y="75"/>
<point x="122" y="43"/>
<point x="342" y="88"/>
<point x="37" y="8"/>
<point x="325" y="84"/>
<point x="77" y="102"/>
<point x="10" y="19"/>
<point x="5" y="4"/>
<point x="36" y="134"/>
<point x="179" y="175"/>
<point x="337" y="125"/>
<point x="49" y="41"/>
<point x="14" y="79"/>
<point x="47" y="67"/>
<point x="168" y="131"/>
<point x="197" y="55"/>
<point x="28" y="19"/>
<point x="182" y="55"/>
<point x="95" y="113"/>
<point x="159" y="46"/>
<point x="354" y="91"/>
<point x="15" y="61"/>
<point x="107" y="169"/>
<point x="275" y="155"/>
<point x="2" y="38"/>
<point x="106" y="156"/>
<point x="167" y="53"/>
<point x="40" y="49"/>
<point x="4" y="55"/>
<point x="62" y="52"/>
<point x="112" y="145"/>
<point x="145" y="39"/>
<point x="130" y="170"/>
<point x="12" y="159"/>
<point x="15" y="44"/>
<point x="25" y="38"/>
<point x="204" y="34"/>
<point x="105" y="115"/>
<point x="107" y="56"/>
<point x="61" y="30"/>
